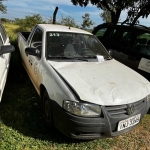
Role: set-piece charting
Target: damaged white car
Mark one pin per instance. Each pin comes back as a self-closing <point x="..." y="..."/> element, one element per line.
<point x="86" y="93"/>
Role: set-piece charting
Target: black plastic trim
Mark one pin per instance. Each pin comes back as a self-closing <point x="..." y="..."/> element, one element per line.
<point x="90" y="128"/>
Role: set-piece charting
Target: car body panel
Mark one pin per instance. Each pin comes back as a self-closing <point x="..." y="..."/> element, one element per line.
<point x="100" y="86"/>
<point x="4" y="60"/>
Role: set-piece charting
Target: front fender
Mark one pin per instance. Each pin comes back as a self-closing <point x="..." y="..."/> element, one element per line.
<point x="57" y="88"/>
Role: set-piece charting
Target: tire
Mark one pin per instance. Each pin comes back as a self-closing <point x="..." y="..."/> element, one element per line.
<point x="47" y="110"/>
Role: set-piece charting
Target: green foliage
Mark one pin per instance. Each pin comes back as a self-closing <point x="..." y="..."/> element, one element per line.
<point x="68" y="21"/>
<point x="140" y="8"/>
<point x="29" y="21"/>
<point x="2" y="7"/>
<point x="86" y="21"/>
<point x="106" y="16"/>
<point x="135" y="8"/>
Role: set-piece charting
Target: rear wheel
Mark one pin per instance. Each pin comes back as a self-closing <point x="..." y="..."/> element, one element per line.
<point x="47" y="111"/>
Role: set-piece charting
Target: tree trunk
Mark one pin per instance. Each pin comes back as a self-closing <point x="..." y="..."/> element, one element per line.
<point x="136" y="18"/>
<point x="115" y="16"/>
<point x="118" y="15"/>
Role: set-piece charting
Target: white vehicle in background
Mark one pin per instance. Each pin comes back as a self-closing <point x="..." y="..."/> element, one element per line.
<point x="5" y="50"/>
<point x="86" y="93"/>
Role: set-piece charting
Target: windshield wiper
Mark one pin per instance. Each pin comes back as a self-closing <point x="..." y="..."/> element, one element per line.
<point x="62" y="57"/>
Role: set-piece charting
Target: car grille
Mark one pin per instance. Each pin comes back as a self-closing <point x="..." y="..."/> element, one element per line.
<point x="120" y="111"/>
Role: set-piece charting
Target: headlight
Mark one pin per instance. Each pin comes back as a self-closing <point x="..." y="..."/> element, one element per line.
<point x="82" y="109"/>
<point x="148" y="98"/>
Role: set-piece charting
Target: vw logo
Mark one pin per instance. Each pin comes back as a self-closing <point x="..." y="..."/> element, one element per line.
<point x="130" y="109"/>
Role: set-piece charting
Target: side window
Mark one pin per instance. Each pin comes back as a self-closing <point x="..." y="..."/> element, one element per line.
<point x="143" y="39"/>
<point x="3" y="33"/>
<point x="125" y="39"/>
<point x="120" y="38"/>
<point x="143" y="43"/>
<point x="112" y="34"/>
<point x="100" y="33"/>
<point x="1" y="42"/>
<point x="31" y="34"/>
<point x="36" y="40"/>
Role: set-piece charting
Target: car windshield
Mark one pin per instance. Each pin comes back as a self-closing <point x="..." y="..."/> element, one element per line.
<point x="73" y="45"/>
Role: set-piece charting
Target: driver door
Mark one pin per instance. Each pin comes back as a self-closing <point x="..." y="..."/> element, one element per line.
<point x="34" y="61"/>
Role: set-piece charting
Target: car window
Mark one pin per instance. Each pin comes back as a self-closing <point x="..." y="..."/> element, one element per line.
<point x="3" y="33"/>
<point x="73" y="45"/>
<point x="142" y="44"/>
<point x="100" y="33"/>
<point x="119" y="37"/>
<point x="1" y="42"/>
<point x="36" y="40"/>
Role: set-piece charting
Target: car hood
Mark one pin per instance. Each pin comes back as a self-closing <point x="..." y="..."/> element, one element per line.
<point x="104" y="83"/>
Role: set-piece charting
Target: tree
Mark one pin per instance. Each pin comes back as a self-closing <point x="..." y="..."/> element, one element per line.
<point x="29" y="21"/>
<point x="135" y="8"/>
<point x="68" y="21"/>
<point x="139" y="9"/>
<point x="106" y="16"/>
<point x="115" y="7"/>
<point x="86" y="21"/>
<point x="2" y="7"/>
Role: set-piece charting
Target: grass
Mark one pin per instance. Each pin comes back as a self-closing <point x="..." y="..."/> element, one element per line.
<point x="22" y="124"/>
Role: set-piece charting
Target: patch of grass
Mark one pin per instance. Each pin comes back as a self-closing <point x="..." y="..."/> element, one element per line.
<point x="23" y="128"/>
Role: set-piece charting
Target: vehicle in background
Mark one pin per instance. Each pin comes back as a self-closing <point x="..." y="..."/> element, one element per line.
<point x="5" y="54"/>
<point x="86" y="94"/>
<point x="128" y="44"/>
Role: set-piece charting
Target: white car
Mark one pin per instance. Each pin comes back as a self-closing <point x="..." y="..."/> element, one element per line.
<point x="86" y="93"/>
<point x="5" y="50"/>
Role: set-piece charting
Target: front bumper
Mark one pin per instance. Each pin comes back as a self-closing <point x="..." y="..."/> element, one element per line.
<point x="92" y="128"/>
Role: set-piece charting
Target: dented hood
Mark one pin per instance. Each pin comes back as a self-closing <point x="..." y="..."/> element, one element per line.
<point x="104" y="83"/>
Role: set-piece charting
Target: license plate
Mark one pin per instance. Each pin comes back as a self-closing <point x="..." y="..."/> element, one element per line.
<point x="129" y="122"/>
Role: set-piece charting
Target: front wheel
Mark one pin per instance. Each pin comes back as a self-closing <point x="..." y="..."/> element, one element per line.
<point x="47" y="110"/>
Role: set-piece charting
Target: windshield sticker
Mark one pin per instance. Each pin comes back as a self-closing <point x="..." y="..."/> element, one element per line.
<point x="144" y="65"/>
<point x="54" y="34"/>
<point x="100" y="58"/>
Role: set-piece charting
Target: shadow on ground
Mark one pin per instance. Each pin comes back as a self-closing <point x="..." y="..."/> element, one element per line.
<point x="21" y="107"/>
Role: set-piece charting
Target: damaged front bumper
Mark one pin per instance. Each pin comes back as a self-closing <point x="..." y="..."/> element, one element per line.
<point x="100" y="127"/>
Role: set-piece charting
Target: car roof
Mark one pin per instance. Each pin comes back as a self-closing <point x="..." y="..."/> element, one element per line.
<point x="137" y="26"/>
<point x="62" y="28"/>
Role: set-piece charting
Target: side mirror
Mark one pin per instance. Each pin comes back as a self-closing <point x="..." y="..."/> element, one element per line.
<point x="32" y="51"/>
<point x="7" y="49"/>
